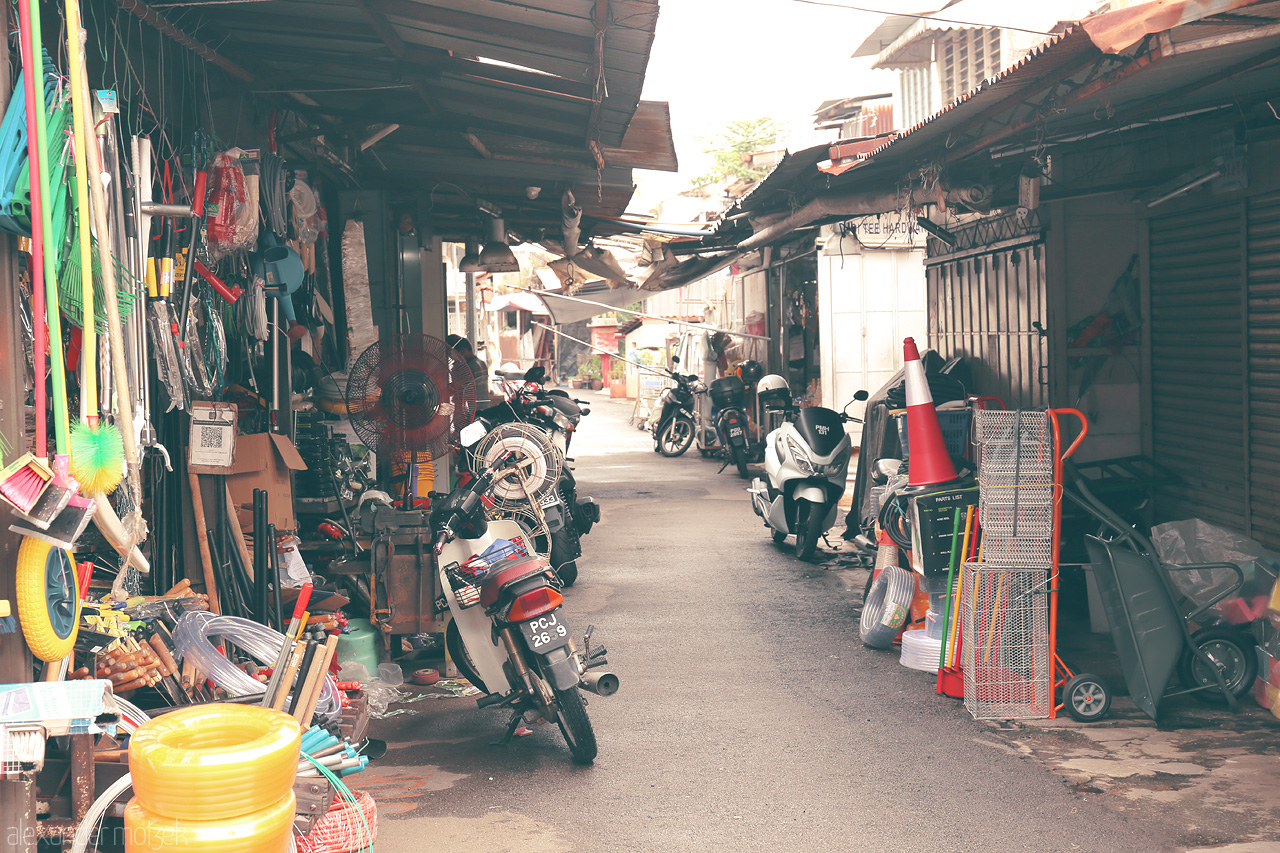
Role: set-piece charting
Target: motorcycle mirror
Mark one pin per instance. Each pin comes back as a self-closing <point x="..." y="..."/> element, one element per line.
<point x="675" y="359"/>
<point x="860" y="395"/>
<point x="535" y="374"/>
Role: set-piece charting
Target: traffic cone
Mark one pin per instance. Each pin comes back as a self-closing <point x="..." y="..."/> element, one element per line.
<point x="928" y="463"/>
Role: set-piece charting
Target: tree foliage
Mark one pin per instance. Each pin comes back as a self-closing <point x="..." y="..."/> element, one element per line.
<point x="731" y="147"/>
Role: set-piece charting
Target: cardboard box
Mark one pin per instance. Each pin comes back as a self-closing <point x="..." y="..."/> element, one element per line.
<point x="265" y="461"/>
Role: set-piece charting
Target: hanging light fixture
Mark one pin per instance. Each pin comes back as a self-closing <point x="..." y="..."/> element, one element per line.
<point x="471" y="259"/>
<point x="497" y="255"/>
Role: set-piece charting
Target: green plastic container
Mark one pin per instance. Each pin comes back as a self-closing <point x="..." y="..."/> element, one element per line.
<point x="360" y="646"/>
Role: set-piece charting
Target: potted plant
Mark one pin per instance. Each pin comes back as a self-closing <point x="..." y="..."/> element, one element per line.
<point x="589" y="372"/>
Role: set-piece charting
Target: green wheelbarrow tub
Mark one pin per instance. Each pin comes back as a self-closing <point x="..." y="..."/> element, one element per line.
<point x="1147" y="629"/>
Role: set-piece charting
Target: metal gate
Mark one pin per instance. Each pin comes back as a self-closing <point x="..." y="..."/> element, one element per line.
<point x="989" y="307"/>
<point x="1263" y="466"/>
<point x="1197" y="363"/>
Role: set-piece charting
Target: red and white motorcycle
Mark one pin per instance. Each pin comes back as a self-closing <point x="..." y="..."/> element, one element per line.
<point x="508" y="634"/>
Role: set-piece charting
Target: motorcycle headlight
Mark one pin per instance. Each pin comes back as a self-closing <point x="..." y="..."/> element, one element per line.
<point x="835" y="469"/>
<point x="561" y="420"/>
<point x="665" y="395"/>
<point x="801" y="458"/>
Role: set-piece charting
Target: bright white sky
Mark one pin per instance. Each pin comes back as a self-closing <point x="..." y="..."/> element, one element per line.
<point x="717" y="61"/>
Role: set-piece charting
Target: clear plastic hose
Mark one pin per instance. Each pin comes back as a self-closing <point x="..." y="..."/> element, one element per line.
<point x="193" y="640"/>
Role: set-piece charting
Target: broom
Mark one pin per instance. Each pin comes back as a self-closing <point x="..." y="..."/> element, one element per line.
<point x="97" y="448"/>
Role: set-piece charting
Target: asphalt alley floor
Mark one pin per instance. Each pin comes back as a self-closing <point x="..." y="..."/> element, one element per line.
<point x="751" y="718"/>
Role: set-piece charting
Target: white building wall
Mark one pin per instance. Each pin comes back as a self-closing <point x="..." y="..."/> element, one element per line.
<point x="868" y="301"/>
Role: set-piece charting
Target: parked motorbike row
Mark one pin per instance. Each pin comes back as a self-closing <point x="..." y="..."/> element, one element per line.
<point x="679" y="425"/>
<point x="507" y="540"/>
<point x="806" y="459"/>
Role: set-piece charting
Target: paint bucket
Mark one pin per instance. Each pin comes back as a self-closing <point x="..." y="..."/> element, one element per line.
<point x="360" y="646"/>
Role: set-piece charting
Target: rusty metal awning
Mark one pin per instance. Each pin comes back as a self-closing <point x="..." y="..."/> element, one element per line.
<point x="1069" y="89"/>
<point x="490" y="95"/>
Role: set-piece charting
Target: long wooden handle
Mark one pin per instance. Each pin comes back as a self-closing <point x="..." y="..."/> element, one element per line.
<point x="306" y="709"/>
<point x="202" y="536"/>
<point x="286" y="678"/>
<point x="237" y="533"/>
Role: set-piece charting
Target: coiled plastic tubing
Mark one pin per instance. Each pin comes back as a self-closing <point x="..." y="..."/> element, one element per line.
<point x="214" y="762"/>
<point x="192" y="639"/>
<point x="267" y="830"/>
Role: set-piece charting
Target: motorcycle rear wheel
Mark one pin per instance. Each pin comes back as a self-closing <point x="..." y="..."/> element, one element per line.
<point x="806" y="529"/>
<point x="575" y="725"/>
<point x="739" y="456"/>
<point x="675" y="437"/>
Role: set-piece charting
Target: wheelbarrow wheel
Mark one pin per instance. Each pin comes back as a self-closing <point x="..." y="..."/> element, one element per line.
<point x="1086" y="697"/>
<point x="1231" y="651"/>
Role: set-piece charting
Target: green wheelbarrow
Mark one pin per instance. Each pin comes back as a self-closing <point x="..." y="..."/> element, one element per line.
<point x="1152" y="633"/>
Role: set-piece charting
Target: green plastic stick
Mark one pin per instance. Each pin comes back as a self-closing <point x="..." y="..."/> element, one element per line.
<point x="951" y="578"/>
<point x="57" y="360"/>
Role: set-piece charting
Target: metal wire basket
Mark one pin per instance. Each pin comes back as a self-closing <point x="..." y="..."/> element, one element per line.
<point x="1022" y="551"/>
<point x="1002" y="426"/>
<point x="1007" y="653"/>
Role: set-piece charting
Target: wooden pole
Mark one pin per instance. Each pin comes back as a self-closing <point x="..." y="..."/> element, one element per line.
<point x="202" y="536"/>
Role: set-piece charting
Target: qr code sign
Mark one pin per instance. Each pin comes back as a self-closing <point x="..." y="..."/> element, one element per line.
<point x="213" y="435"/>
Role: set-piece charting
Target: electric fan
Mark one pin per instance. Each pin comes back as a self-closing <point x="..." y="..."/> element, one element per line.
<point x="409" y="394"/>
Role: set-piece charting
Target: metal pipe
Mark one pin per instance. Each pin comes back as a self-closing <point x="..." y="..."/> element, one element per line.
<point x="702" y="326"/>
<point x="471" y="309"/>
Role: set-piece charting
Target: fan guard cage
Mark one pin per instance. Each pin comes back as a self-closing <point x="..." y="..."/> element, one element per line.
<point x="538" y="461"/>
<point x="410" y="393"/>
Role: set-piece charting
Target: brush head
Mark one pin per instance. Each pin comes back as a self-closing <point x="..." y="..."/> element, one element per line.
<point x="97" y="457"/>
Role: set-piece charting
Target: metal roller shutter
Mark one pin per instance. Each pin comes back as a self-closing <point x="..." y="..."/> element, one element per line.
<point x="985" y="306"/>
<point x="1197" y="364"/>
<point x="1264" y="369"/>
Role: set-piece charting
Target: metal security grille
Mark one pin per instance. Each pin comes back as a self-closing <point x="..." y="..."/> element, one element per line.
<point x="1005" y="623"/>
<point x="990" y="307"/>
<point x="1262" y="495"/>
<point x="1197" y="363"/>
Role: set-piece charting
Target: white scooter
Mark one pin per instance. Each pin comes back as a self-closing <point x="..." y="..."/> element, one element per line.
<point x="806" y="465"/>
<point x="508" y="634"/>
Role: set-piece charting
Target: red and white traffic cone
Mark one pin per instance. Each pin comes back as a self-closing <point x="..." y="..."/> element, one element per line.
<point x="928" y="461"/>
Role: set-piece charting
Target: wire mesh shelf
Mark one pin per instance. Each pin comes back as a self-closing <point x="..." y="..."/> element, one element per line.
<point x="1012" y="465"/>
<point x="1007" y="652"/>
<point x="1017" y="521"/>
<point x="1001" y="426"/>
<point x="1008" y="551"/>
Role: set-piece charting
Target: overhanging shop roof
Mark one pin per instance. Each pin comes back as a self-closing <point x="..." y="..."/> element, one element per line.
<point x="491" y="95"/>
<point x="1065" y="90"/>
<point x="1110" y="72"/>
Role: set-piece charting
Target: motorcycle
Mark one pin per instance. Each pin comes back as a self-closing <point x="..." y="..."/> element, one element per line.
<point x="673" y="431"/>
<point x="806" y="464"/>
<point x="728" y="415"/>
<point x="508" y="634"/>
<point x="568" y="516"/>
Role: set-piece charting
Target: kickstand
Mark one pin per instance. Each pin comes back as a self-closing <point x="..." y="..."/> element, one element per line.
<point x="725" y="465"/>
<point x="517" y="719"/>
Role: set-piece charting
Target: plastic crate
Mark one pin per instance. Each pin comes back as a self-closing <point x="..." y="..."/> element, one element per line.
<point x="955" y="430"/>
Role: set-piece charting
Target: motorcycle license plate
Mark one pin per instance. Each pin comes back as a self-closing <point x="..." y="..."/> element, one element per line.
<point x="545" y="633"/>
<point x="735" y="432"/>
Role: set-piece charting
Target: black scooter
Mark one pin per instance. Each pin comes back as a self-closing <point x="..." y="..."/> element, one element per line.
<point x="674" y="429"/>
<point x="728" y="414"/>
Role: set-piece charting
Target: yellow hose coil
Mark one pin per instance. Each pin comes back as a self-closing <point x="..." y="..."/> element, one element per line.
<point x="264" y="831"/>
<point x="212" y="762"/>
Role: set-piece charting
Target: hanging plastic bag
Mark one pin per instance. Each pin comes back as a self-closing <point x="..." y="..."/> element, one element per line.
<point x="232" y="226"/>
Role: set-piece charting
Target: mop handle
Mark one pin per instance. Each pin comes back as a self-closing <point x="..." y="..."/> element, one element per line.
<point x="35" y="107"/>
<point x="57" y="367"/>
<point x="80" y="146"/>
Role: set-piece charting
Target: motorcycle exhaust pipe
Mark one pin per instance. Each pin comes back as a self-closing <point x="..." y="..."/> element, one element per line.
<point x="600" y="683"/>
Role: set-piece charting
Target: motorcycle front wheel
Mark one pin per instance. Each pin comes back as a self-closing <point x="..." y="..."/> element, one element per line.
<point x="675" y="437"/>
<point x="458" y="651"/>
<point x="806" y="529"/>
<point x="575" y="725"/>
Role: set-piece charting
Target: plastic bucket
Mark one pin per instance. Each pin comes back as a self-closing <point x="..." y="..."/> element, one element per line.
<point x="361" y="645"/>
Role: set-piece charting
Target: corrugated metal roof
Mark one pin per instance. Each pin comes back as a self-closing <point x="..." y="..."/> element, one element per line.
<point x="497" y="95"/>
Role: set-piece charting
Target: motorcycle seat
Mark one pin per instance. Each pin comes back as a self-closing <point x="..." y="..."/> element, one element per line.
<point x="517" y="571"/>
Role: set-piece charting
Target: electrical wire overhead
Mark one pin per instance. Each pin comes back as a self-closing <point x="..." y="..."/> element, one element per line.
<point x="919" y="16"/>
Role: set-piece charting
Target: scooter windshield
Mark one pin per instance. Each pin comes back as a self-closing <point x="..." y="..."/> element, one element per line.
<point x="821" y="429"/>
